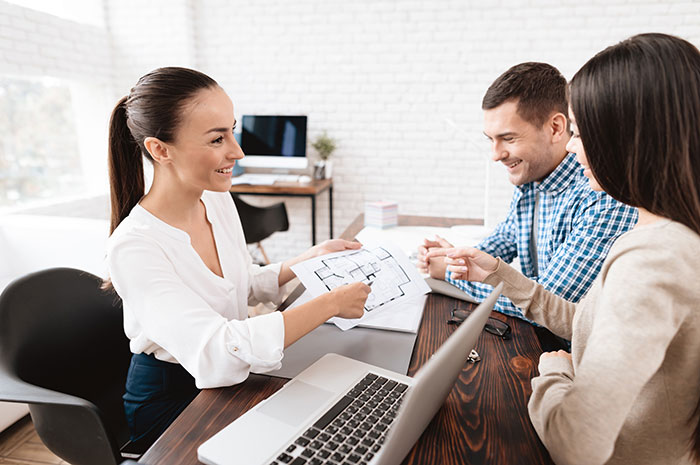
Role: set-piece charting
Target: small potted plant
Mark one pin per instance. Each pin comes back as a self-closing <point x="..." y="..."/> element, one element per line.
<point x="325" y="146"/>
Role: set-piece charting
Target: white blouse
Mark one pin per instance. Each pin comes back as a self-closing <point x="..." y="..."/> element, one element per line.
<point x="176" y="308"/>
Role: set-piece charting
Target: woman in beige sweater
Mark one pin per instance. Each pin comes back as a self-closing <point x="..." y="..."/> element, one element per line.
<point x="629" y="391"/>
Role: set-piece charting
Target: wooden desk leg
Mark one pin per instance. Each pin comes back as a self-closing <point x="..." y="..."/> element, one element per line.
<point x="313" y="220"/>
<point x="330" y="210"/>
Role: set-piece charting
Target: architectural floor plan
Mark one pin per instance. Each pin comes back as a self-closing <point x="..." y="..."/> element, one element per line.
<point x="384" y="266"/>
<point x="376" y="266"/>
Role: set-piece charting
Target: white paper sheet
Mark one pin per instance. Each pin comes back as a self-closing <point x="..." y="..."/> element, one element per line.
<point x="395" y="281"/>
<point x="404" y="318"/>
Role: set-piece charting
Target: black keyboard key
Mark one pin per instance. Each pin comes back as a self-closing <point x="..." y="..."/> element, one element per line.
<point x="291" y="448"/>
<point x="352" y="440"/>
<point x="284" y="458"/>
<point x="369" y="456"/>
<point x="332" y="445"/>
<point x="354" y="393"/>
<point x="376" y="448"/>
<point x="298" y="461"/>
<point x="362" y="450"/>
<point x="401" y="387"/>
<point x="371" y="376"/>
<point x="315" y="461"/>
<point x="323" y="453"/>
<point x="374" y="434"/>
<point x="307" y="453"/>
<point x="368" y="442"/>
<point x="302" y="441"/>
<point x="390" y="385"/>
<point x="311" y="433"/>
<point x="323" y="437"/>
<point x="333" y="412"/>
<point x="330" y="429"/>
<point x="339" y="438"/>
<point x="337" y="457"/>
<point x="354" y="458"/>
<point x="344" y="449"/>
<point x="316" y="445"/>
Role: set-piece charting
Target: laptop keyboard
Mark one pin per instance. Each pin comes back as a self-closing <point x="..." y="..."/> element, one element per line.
<point x="353" y="430"/>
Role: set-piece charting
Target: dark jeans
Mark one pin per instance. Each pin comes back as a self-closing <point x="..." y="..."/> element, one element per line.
<point x="156" y="393"/>
<point x="550" y="342"/>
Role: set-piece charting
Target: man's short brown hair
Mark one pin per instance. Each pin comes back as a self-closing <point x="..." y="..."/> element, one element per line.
<point x="539" y="89"/>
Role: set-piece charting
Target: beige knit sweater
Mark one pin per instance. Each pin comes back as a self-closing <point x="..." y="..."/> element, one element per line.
<point x="631" y="391"/>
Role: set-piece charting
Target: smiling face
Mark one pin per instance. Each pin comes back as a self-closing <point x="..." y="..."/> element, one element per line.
<point x="528" y="152"/>
<point x="576" y="146"/>
<point x="204" y="151"/>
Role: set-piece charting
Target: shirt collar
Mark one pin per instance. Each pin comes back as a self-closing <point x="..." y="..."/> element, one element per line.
<point x="559" y="179"/>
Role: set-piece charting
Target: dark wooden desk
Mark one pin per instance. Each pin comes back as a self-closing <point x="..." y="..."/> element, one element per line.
<point x="483" y="421"/>
<point x="294" y="189"/>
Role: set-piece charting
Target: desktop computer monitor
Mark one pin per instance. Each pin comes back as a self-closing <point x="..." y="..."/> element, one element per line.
<point x="274" y="141"/>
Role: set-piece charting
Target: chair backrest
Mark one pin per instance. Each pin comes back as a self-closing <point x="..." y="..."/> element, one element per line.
<point x="63" y="351"/>
<point x="260" y="222"/>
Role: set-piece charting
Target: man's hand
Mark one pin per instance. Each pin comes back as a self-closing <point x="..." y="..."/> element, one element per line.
<point x="467" y="263"/>
<point x="434" y="266"/>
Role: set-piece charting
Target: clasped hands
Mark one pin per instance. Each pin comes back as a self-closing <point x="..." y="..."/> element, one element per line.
<point x="435" y="257"/>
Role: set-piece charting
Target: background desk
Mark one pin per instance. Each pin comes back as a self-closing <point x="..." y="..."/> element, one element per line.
<point x="483" y="421"/>
<point x="294" y="189"/>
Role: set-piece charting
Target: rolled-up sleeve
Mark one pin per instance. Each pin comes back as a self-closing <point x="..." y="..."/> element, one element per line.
<point x="264" y="284"/>
<point x="160" y="308"/>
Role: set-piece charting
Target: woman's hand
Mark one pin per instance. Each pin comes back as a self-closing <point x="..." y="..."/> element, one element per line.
<point x="325" y="247"/>
<point x="559" y="353"/>
<point x="468" y="263"/>
<point x="330" y="246"/>
<point x="350" y="299"/>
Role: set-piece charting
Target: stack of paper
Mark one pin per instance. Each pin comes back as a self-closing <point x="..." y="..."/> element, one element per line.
<point x="381" y="214"/>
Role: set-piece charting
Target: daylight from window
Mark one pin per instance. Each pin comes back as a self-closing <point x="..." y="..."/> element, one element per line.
<point x="39" y="157"/>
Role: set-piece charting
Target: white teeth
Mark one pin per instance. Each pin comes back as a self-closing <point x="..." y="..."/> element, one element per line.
<point x="225" y="171"/>
<point x="514" y="164"/>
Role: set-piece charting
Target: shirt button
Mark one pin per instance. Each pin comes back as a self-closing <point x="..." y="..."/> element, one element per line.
<point x="235" y="349"/>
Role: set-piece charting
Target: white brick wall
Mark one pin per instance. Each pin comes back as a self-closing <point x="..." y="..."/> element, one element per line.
<point x="380" y="75"/>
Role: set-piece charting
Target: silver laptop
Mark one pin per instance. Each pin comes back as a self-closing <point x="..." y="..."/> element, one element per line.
<point x="340" y="410"/>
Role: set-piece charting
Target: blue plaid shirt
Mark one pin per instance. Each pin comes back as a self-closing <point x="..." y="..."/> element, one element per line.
<point x="576" y="228"/>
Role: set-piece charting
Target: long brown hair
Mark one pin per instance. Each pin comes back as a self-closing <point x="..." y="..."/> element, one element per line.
<point x="637" y="106"/>
<point x="153" y="108"/>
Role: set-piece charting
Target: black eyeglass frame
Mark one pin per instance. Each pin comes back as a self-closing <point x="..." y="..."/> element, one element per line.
<point x="493" y="325"/>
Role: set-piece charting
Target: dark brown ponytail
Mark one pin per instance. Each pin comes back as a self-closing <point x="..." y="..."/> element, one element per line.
<point x="125" y="167"/>
<point x="153" y="108"/>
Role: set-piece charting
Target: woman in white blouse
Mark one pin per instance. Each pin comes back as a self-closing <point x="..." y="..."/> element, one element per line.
<point x="177" y="255"/>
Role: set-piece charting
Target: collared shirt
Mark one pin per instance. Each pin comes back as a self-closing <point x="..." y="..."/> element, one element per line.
<point x="576" y="228"/>
<point x="176" y="308"/>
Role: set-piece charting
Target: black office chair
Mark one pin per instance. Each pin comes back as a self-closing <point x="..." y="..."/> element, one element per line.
<point x="63" y="351"/>
<point x="260" y="222"/>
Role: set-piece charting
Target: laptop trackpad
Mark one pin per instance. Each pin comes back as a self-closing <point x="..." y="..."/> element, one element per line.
<point x="295" y="402"/>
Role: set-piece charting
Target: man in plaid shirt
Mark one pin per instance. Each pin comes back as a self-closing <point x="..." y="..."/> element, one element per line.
<point x="525" y="118"/>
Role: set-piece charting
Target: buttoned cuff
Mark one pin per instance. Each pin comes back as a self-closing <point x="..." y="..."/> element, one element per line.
<point x="263" y="349"/>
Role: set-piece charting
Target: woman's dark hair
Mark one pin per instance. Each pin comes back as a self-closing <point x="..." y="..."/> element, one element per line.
<point x="153" y="108"/>
<point x="637" y="107"/>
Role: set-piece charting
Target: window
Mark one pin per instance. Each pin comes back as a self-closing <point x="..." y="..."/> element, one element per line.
<point x="39" y="153"/>
<point x="81" y="11"/>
